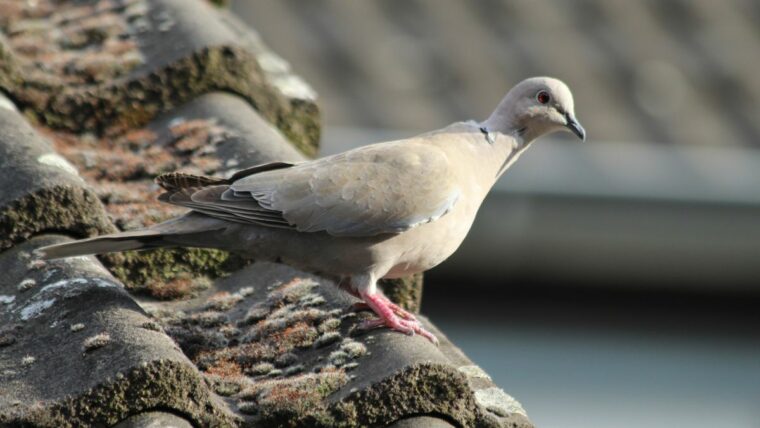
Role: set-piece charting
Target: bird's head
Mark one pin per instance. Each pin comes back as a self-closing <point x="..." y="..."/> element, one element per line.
<point x="535" y="107"/>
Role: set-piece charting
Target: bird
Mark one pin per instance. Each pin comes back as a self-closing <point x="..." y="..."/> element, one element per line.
<point x="384" y="210"/>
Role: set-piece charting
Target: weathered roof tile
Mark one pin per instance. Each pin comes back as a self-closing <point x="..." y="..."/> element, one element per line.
<point x="80" y="354"/>
<point x="40" y="190"/>
<point x="98" y="65"/>
<point x="268" y="370"/>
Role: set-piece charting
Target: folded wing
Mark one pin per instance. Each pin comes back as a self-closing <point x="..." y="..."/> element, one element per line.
<point x="384" y="188"/>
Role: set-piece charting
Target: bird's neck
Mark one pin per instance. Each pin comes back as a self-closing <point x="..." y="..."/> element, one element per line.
<point x="490" y="152"/>
<point x="508" y="123"/>
<point x="506" y="116"/>
<point x="513" y="146"/>
<point x="508" y="143"/>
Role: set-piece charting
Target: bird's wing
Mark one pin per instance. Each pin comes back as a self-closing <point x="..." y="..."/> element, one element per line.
<point x="382" y="188"/>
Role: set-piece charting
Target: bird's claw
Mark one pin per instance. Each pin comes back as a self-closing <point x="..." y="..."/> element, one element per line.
<point x="407" y="327"/>
<point x="393" y="317"/>
<point x="398" y="310"/>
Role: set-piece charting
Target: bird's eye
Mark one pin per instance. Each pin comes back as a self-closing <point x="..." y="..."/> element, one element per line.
<point x="543" y="97"/>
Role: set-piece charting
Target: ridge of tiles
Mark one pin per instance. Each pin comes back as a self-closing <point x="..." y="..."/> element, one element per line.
<point x="256" y="344"/>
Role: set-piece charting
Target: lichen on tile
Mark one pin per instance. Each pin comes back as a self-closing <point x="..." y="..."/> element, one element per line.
<point x="293" y="398"/>
<point x="35" y="309"/>
<point x="28" y="360"/>
<point x="97" y="341"/>
<point x="495" y="400"/>
<point x="26" y="284"/>
<point x="72" y="43"/>
<point x="275" y="349"/>
<point x="327" y="338"/>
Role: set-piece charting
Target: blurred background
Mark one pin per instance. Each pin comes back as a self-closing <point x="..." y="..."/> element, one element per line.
<point x="606" y="284"/>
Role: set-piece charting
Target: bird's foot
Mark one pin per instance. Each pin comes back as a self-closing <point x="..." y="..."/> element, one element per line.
<point x="398" y="310"/>
<point x="405" y="326"/>
<point x="393" y="317"/>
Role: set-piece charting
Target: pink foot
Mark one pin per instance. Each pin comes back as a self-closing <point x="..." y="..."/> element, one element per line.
<point x="393" y="317"/>
<point x="398" y="310"/>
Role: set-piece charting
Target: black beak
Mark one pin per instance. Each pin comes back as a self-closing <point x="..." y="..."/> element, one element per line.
<point x="575" y="127"/>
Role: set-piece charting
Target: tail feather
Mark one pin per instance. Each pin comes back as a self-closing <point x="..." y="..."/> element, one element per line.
<point x="191" y="229"/>
<point x="139" y="240"/>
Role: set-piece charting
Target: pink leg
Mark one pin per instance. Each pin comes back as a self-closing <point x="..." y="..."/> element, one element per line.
<point x="398" y="310"/>
<point x="386" y="310"/>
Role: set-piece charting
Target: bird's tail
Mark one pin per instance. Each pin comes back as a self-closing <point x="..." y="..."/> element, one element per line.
<point x="167" y="234"/>
<point x="145" y="239"/>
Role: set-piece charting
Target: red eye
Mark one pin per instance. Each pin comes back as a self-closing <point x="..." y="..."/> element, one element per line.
<point x="543" y="97"/>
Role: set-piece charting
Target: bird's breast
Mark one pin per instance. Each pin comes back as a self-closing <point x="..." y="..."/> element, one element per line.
<point x="428" y="245"/>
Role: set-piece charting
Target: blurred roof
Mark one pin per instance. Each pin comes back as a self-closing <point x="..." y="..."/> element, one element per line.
<point x="659" y="71"/>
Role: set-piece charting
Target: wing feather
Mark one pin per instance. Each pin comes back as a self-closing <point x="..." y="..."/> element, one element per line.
<point x="382" y="188"/>
<point x="385" y="188"/>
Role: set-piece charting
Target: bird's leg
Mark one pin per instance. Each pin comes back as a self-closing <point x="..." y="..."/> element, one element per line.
<point x="388" y="317"/>
<point x="398" y="310"/>
<point x="347" y="285"/>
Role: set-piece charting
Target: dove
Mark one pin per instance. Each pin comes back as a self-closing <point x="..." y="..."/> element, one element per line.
<point x="384" y="210"/>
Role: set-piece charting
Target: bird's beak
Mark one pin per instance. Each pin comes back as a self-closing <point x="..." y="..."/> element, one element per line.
<point x="575" y="127"/>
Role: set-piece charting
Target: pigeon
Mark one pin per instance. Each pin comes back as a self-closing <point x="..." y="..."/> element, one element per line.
<point x="384" y="210"/>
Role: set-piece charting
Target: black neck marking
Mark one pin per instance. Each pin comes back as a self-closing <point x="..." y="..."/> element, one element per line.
<point x="486" y="134"/>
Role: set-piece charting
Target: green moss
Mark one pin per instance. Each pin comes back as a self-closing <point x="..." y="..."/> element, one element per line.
<point x="302" y="126"/>
<point x="406" y="292"/>
<point x="170" y="272"/>
<point x="161" y="383"/>
<point x="124" y="104"/>
<point x="420" y="389"/>
<point x="425" y="388"/>
<point x="9" y="75"/>
<point x="62" y="208"/>
<point x="299" y="401"/>
<point x="224" y="386"/>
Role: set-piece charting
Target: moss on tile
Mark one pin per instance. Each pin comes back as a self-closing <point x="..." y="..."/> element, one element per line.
<point x="296" y="401"/>
<point x="9" y="76"/>
<point x="406" y="292"/>
<point x="166" y="384"/>
<point x="78" y="66"/>
<point x="421" y="388"/>
<point x="120" y="169"/>
<point x="169" y="273"/>
<point x="126" y="104"/>
<point x="74" y="43"/>
<point x="66" y="207"/>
